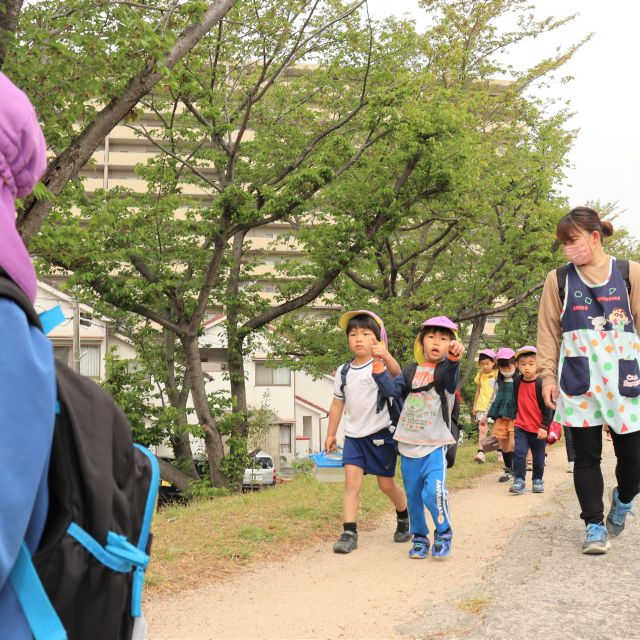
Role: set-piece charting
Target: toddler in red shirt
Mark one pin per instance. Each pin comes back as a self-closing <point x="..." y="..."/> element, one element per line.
<point x="532" y="422"/>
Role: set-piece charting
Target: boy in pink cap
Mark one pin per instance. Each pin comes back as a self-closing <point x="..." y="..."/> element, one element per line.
<point x="424" y="429"/>
<point x="532" y="422"/>
<point x="485" y="381"/>
<point x="27" y="376"/>
<point x="368" y="446"/>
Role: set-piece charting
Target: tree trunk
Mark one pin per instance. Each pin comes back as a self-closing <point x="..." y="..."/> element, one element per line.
<point x="9" y="14"/>
<point x="212" y="438"/>
<point x="477" y="330"/>
<point x="173" y="475"/>
<point x="181" y="446"/>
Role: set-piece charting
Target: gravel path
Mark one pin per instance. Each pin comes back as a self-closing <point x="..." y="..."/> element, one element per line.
<point x="516" y="573"/>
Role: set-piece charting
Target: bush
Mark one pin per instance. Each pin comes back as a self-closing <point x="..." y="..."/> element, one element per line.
<point x="304" y="466"/>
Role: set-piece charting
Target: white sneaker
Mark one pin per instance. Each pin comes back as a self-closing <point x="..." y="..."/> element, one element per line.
<point x="480" y="458"/>
<point x="570" y="467"/>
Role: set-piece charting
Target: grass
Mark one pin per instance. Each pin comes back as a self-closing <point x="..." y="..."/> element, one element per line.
<point x="209" y="540"/>
<point x="474" y="605"/>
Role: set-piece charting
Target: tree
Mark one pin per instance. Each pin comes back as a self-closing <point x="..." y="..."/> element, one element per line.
<point x="89" y="63"/>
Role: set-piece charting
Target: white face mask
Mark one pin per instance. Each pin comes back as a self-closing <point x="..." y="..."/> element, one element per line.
<point x="580" y="253"/>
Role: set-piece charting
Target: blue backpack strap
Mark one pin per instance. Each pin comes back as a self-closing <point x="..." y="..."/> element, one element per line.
<point x="51" y="319"/>
<point x="145" y="531"/>
<point x="36" y="606"/>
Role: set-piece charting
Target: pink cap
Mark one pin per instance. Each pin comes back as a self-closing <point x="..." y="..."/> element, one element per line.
<point x="526" y="349"/>
<point x="488" y="352"/>
<point x="505" y="354"/>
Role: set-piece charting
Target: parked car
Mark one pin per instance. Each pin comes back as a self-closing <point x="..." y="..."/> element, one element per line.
<point x="262" y="472"/>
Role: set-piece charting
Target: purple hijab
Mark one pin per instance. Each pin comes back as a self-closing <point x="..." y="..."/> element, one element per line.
<point x="22" y="162"/>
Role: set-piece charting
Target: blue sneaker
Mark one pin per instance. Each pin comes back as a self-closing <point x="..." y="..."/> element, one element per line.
<point x="596" y="540"/>
<point x="538" y="486"/>
<point x="617" y="514"/>
<point x="420" y="549"/>
<point x="518" y="487"/>
<point x="442" y="544"/>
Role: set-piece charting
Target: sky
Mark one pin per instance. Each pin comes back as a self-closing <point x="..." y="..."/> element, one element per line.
<point x="604" y="94"/>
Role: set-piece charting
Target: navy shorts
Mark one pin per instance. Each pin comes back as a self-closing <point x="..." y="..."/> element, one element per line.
<point x="375" y="459"/>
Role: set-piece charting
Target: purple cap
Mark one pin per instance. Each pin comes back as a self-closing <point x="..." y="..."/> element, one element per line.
<point x="526" y="349"/>
<point x="22" y="162"/>
<point x="345" y="317"/>
<point x="505" y="354"/>
<point x="442" y="321"/>
<point x="439" y="321"/>
<point x="488" y="352"/>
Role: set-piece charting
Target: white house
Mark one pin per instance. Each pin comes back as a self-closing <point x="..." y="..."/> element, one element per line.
<point x="300" y="403"/>
<point x="95" y="337"/>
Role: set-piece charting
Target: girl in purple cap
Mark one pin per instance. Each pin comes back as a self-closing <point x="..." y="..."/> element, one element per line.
<point x="424" y="430"/>
<point x="502" y="409"/>
<point x="485" y="381"/>
<point x="27" y="376"/>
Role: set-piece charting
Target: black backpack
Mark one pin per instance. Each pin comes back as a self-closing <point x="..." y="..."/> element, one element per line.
<point x="561" y="275"/>
<point x="102" y="498"/>
<point x="394" y="404"/>
<point x="451" y="419"/>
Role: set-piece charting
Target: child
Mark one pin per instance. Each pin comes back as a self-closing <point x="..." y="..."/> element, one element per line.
<point x="27" y="378"/>
<point x="423" y="432"/>
<point x="532" y="422"/>
<point x="485" y="381"/>
<point x="503" y="408"/>
<point x="368" y="446"/>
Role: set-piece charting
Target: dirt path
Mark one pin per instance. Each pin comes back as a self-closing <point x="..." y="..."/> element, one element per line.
<point x="371" y="593"/>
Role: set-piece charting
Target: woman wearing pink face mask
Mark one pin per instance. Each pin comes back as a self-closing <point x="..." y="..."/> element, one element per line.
<point x="588" y="352"/>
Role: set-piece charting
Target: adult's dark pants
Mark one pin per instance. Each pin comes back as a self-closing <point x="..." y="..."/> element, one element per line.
<point x="587" y="475"/>
<point x="568" y="443"/>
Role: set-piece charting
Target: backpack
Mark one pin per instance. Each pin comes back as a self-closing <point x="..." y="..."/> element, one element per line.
<point x="394" y="404"/>
<point x="452" y="419"/>
<point x="561" y="275"/>
<point x="85" y="579"/>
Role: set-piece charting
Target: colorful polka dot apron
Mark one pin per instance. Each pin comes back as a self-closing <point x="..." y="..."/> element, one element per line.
<point x="599" y="375"/>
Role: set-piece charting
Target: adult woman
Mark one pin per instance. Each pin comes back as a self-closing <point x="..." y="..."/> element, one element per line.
<point x="590" y="337"/>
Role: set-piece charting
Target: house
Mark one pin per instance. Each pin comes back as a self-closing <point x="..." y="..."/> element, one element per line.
<point x="97" y="337"/>
<point x="299" y="402"/>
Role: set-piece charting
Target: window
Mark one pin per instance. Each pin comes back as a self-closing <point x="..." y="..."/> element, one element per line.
<point x="306" y="426"/>
<point x="280" y="376"/>
<point x="90" y="359"/>
<point x="493" y="319"/>
<point x="285" y="438"/>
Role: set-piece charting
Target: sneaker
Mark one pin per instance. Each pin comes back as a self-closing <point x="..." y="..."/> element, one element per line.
<point x="617" y="514"/>
<point x="518" y="487"/>
<point x="420" y="549"/>
<point x="596" y="540"/>
<point x="442" y="544"/>
<point x="570" y="466"/>
<point x="402" y="530"/>
<point x="538" y="486"/>
<point x="480" y="457"/>
<point x="506" y="476"/>
<point x="347" y="542"/>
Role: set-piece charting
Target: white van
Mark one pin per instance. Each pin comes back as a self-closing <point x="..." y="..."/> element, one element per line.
<point x="262" y="472"/>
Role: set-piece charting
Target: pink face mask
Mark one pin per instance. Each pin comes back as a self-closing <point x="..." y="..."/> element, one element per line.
<point x="579" y="253"/>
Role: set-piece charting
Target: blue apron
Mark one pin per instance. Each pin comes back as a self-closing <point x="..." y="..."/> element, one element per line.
<point x="599" y="373"/>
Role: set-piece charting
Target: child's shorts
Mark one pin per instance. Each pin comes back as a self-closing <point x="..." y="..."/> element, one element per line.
<point x="376" y="453"/>
<point x="503" y="428"/>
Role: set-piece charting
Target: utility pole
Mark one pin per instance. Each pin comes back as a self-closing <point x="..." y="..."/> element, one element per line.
<point x="76" y="336"/>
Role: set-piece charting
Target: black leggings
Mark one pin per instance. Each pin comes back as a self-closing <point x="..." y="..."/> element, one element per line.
<point x="587" y="476"/>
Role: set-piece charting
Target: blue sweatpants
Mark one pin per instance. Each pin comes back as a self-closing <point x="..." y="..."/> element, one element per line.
<point x="424" y="484"/>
